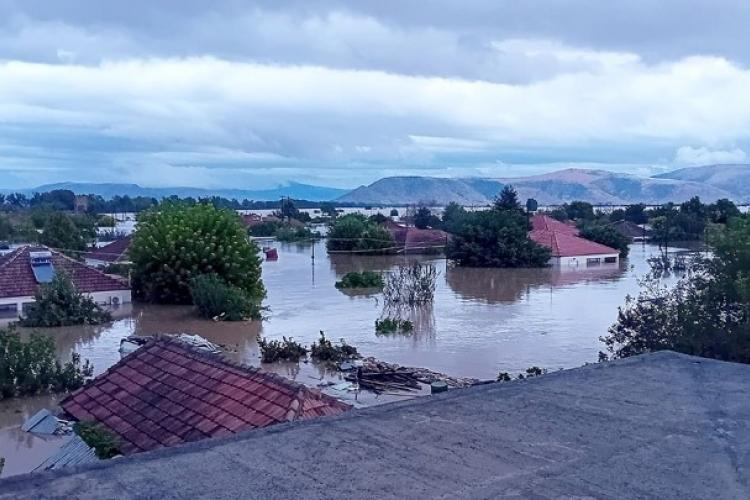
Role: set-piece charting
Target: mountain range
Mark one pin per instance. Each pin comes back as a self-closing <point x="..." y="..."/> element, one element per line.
<point x="710" y="182"/>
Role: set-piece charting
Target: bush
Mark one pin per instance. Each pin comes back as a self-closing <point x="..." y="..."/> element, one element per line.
<point x="217" y="300"/>
<point x="355" y="233"/>
<point x="284" y="350"/>
<point x="393" y="325"/>
<point x="106" y="221"/>
<point x="495" y="238"/>
<point x="365" y="279"/>
<point x="175" y="243"/>
<point x="410" y="285"/>
<point x="325" y="350"/>
<point x="105" y="443"/>
<point x="58" y="303"/>
<point x="29" y="368"/>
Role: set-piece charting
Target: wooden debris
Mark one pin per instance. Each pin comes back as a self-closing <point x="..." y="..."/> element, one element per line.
<point x="380" y="377"/>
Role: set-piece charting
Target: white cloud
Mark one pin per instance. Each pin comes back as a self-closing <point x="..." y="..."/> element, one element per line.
<point x="687" y="155"/>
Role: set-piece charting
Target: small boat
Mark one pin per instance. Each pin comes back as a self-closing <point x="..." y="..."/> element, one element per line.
<point x="271" y="253"/>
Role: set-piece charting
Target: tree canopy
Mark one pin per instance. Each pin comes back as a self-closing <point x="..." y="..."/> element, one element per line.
<point x="175" y="243"/>
<point x="355" y="232"/>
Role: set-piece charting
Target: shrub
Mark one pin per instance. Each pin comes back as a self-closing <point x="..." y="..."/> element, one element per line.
<point x="29" y="368"/>
<point x="104" y="442"/>
<point x="325" y="350"/>
<point x="393" y="325"/>
<point x="365" y="279"/>
<point x="284" y="350"/>
<point x="58" y="303"/>
<point x="175" y="242"/>
<point x="606" y="235"/>
<point x="410" y="285"/>
<point x="217" y="300"/>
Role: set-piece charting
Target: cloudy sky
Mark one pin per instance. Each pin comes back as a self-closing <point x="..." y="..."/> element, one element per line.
<point x="233" y="93"/>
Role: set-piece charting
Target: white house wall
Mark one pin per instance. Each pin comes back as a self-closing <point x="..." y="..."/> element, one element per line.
<point x="582" y="260"/>
<point x="106" y="298"/>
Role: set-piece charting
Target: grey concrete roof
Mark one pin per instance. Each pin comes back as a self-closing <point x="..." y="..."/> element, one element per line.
<point x="657" y="426"/>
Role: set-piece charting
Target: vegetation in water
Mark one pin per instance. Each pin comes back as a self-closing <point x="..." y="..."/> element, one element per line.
<point x="410" y="285"/>
<point x="707" y="313"/>
<point x="105" y="443"/>
<point x="31" y="367"/>
<point x="364" y="279"/>
<point x="533" y="371"/>
<point x="58" y="303"/>
<point x="606" y="235"/>
<point x="286" y="349"/>
<point x="215" y="299"/>
<point x="356" y="233"/>
<point x="393" y="325"/>
<point x="176" y="242"/>
<point x="326" y="351"/>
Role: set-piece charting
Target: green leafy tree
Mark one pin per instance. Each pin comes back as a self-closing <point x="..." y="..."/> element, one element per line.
<point x="215" y="299"/>
<point x="61" y="232"/>
<point x="354" y="232"/>
<point x="636" y="214"/>
<point x="175" y="243"/>
<point x="58" y="303"/>
<point x="495" y="238"/>
<point x="723" y="210"/>
<point x="606" y="235"/>
<point x="579" y="210"/>
<point x="424" y="218"/>
<point x="707" y="313"/>
<point x="453" y="217"/>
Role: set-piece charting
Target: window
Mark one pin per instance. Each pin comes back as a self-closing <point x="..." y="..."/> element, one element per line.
<point x="610" y="260"/>
<point x="8" y="310"/>
<point x="593" y="261"/>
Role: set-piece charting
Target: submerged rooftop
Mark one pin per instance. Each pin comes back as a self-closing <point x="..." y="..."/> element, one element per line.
<point x="661" y="425"/>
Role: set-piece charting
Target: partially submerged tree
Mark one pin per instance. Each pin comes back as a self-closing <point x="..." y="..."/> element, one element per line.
<point x="58" y="303"/>
<point x="606" y="235"/>
<point x="175" y="243"/>
<point x="356" y="233"/>
<point x="217" y="300"/>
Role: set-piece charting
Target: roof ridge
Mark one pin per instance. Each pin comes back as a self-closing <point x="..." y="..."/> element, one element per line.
<point x="78" y="263"/>
<point x="11" y="257"/>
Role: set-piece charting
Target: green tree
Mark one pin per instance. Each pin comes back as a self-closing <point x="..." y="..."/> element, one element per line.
<point x="328" y="209"/>
<point x="579" y="210"/>
<point x="453" y="217"/>
<point x="723" y="210"/>
<point x="354" y="232"/>
<point x="58" y="303"/>
<point x="424" y="218"/>
<point x="495" y="238"/>
<point x="6" y="228"/>
<point x="636" y="214"/>
<point x="508" y="199"/>
<point x="175" y="243"/>
<point x="707" y="313"/>
<point x="215" y="299"/>
<point x="61" y="232"/>
<point x="606" y="235"/>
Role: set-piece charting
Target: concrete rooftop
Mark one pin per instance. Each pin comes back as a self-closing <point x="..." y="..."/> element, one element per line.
<point x="657" y="426"/>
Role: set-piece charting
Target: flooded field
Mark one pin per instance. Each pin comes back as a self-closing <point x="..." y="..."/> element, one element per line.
<point x="483" y="321"/>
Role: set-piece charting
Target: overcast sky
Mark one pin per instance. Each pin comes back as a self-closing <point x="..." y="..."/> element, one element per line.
<point x="232" y="93"/>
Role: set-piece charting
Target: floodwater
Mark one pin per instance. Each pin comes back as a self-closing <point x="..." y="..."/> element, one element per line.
<point x="482" y="321"/>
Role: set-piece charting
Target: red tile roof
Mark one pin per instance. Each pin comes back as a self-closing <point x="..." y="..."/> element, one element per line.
<point x="569" y="245"/>
<point x="113" y="252"/>
<point x="545" y="223"/>
<point x="412" y="238"/>
<point x="17" y="278"/>
<point x="167" y="392"/>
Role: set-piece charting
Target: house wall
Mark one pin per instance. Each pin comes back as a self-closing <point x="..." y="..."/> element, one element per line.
<point x="106" y="298"/>
<point x="583" y="260"/>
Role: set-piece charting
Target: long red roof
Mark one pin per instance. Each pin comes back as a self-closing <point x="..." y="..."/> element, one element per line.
<point x="113" y="252"/>
<point x="563" y="240"/>
<point x="17" y="279"/>
<point x="167" y="392"/>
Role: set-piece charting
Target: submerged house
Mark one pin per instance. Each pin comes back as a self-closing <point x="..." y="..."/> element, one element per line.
<point x="567" y="248"/>
<point x="413" y="240"/>
<point x="167" y="393"/>
<point x="112" y="253"/>
<point x="25" y="268"/>
<point x="631" y="230"/>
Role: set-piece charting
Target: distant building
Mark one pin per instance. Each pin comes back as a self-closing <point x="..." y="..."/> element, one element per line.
<point x="567" y="248"/>
<point x="113" y="253"/>
<point x="413" y="240"/>
<point x="23" y="269"/>
<point x="631" y="230"/>
<point x="167" y="393"/>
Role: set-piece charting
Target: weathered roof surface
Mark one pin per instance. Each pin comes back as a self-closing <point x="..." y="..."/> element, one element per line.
<point x="167" y="393"/>
<point x="74" y="452"/>
<point x="113" y="252"/>
<point x="569" y="245"/>
<point x="541" y="222"/>
<point x="630" y="229"/>
<point x="662" y="426"/>
<point x="413" y="239"/>
<point x="17" y="278"/>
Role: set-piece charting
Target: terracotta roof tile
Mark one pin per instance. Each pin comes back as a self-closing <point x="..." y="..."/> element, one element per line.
<point x="167" y="392"/>
<point x="113" y="252"/>
<point x="563" y="240"/>
<point x="17" y="278"/>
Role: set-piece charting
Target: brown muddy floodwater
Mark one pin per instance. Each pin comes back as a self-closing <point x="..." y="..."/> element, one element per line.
<point x="483" y="321"/>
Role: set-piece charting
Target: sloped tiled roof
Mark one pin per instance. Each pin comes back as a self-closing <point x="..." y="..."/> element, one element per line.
<point x="17" y="278"/>
<point x="167" y="393"/>
<point x="413" y="238"/>
<point x="545" y="223"/>
<point x="569" y="245"/>
<point x="113" y="252"/>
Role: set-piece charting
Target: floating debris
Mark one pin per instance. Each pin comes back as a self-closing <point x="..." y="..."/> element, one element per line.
<point x="379" y="376"/>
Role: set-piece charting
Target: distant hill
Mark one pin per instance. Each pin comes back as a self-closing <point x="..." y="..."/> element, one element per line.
<point x="293" y="190"/>
<point x="595" y="186"/>
<point x="734" y="179"/>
